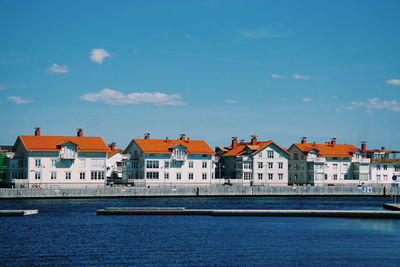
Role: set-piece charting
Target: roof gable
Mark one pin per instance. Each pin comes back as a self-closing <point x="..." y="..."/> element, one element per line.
<point x="249" y="149"/>
<point x="166" y="146"/>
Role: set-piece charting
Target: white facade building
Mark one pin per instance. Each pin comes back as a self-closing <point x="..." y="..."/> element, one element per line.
<point x="253" y="163"/>
<point x="58" y="161"/>
<point x="114" y="164"/>
<point x="327" y="164"/>
<point x="384" y="165"/>
<point x="166" y="162"/>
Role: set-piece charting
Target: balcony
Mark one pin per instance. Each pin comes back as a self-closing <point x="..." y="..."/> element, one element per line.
<point x="179" y="157"/>
<point x="68" y="155"/>
<point x="361" y="160"/>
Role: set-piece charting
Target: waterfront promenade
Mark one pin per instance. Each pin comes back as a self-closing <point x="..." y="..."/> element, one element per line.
<point x="195" y="191"/>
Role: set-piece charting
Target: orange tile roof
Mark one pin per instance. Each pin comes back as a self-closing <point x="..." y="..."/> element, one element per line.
<point x="165" y="147"/>
<point x="243" y="148"/>
<point x="113" y="152"/>
<point x="328" y="150"/>
<point x="50" y="143"/>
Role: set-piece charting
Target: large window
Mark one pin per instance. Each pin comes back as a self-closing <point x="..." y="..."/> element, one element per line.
<point x="260" y="165"/>
<point x="68" y="175"/>
<point x="53" y="175"/>
<point x="152" y="175"/>
<point x="38" y="162"/>
<point x="270" y="154"/>
<point x="280" y="165"/>
<point x="246" y="165"/>
<point x="152" y="164"/>
<point x="204" y="164"/>
<point x="178" y="176"/>
<point x="247" y="175"/>
<point x="97" y="163"/>
<point x="96" y="175"/>
<point x="270" y="165"/>
<point x="270" y="176"/>
<point x="204" y="176"/>
<point x="37" y="175"/>
<point x="82" y="175"/>
<point x="260" y="176"/>
<point x="190" y="176"/>
<point x="166" y="164"/>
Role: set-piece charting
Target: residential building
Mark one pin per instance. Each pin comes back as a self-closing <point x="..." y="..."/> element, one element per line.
<point x="252" y="163"/>
<point x="114" y="164"/>
<point x="58" y="161"/>
<point x="168" y="162"/>
<point x="327" y="164"/>
<point x="384" y="165"/>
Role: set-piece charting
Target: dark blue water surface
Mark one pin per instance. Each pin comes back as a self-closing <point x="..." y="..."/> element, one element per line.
<point x="67" y="232"/>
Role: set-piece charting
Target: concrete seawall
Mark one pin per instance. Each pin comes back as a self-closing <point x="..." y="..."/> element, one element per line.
<point x="192" y="191"/>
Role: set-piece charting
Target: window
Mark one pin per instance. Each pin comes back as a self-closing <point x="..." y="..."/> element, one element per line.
<point x="378" y="167"/>
<point x="68" y="175"/>
<point x="280" y="165"/>
<point x="135" y="164"/>
<point x="97" y="163"/>
<point x="204" y="164"/>
<point x="260" y="176"/>
<point x="37" y="175"/>
<point x="166" y="164"/>
<point x="96" y="175"/>
<point x="397" y="168"/>
<point x="82" y="175"/>
<point x="82" y="163"/>
<point x="345" y="177"/>
<point x="191" y="164"/>
<point x="295" y="156"/>
<point x="385" y="177"/>
<point x="335" y="166"/>
<point x="385" y="167"/>
<point x="204" y="176"/>
<point x="152" y="164"/>
<point x="260" y="155"/>
<point x="178" y="176"/>
<point x="270" y="154"/>
<point x="247" y="175"/>
<point x="190" y="176"/>
<point x="260" y="165"/>
<point x="335" y="177"/>
<point x="378" y="177"/>
<point x="53" y="175"/>
<point x="152" y="175"/>
<point x="280" y="176"/>
<point x="270" y="165"/>
<point x="166" y="176"/>
<point x="270" y="176"/>
<point x="38" y="162"/>
<point x="345" y="166"/>
<point x="53" y="162"/>
<point x="246" y="165"/>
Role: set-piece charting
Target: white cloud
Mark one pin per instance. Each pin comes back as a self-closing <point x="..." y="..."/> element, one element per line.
<point x="374" y="104"/>
<point x="276" y="76"/>
<point x="307" y="99"/>
<point x="3" y="87"/>
<point x="19" y="100"/>
<point x="258" y="34"/>
<point x="98" y="55"/>
<point x="301" y="77"/>
<point x="55" y="68"/>
<point x="113" y="97"/>
<point x="393" y="81"/>
<point x="232" y="101"/>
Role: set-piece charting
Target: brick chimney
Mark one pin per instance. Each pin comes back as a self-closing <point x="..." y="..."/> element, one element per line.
<point x="234" y="142"/>
<point x="333" y="141"/>
<point x="254" y="140"/>
<point x="187" y="140"/>
<point x="383" y="148"/>
<point x="304" y="140"/>
<point x="363" y="146"/>
<point x="166" y="139"/>
<point x="182" y="137"/>
<point x="147" y="136"/>
<point x="112" y="146"/>
<point x="79" y="133"/>
<point x="37" y="131"/>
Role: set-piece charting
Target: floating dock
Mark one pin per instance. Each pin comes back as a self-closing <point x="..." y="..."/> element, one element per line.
<point x="371" y="214"/>
<point x="391" y="206"/>
<point x="18" y="212"/>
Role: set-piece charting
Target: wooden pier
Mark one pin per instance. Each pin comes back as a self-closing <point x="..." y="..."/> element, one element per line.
<point x="371" y="214"/>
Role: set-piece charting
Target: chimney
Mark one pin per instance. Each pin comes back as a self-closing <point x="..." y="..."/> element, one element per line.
<point x="79" y="133"/>
<point x="37" y="131"/>
<point x="147" y="136"/>
<point x="363" y="146"/>
<point x="314" y="143"/>
<point x="166" y="139"/>
<point x="333" y="141"/>
<point x="187" y="140"/>
<point x="254" y="140"/>
<point x="182" y="137"/>
<point x="383" y="148"/>
<point x="304" y="140"/>
<point x="112" y="146"/>
<point x="234" y="142"/>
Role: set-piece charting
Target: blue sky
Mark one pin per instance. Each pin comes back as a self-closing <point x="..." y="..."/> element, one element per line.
<point x="210" y="69"/>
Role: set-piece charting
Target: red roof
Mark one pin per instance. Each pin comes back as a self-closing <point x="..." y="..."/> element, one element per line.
<point x="113" y="152"/>
<point x="166" y="146"/>
<point x="249" y="149"/>
<point x="52" y="143"/>
<point x="328" y="150"/>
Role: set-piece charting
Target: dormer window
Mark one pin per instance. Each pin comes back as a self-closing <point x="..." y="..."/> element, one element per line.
<point x="68" y="151"/>
<point x="179" y="153"/>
